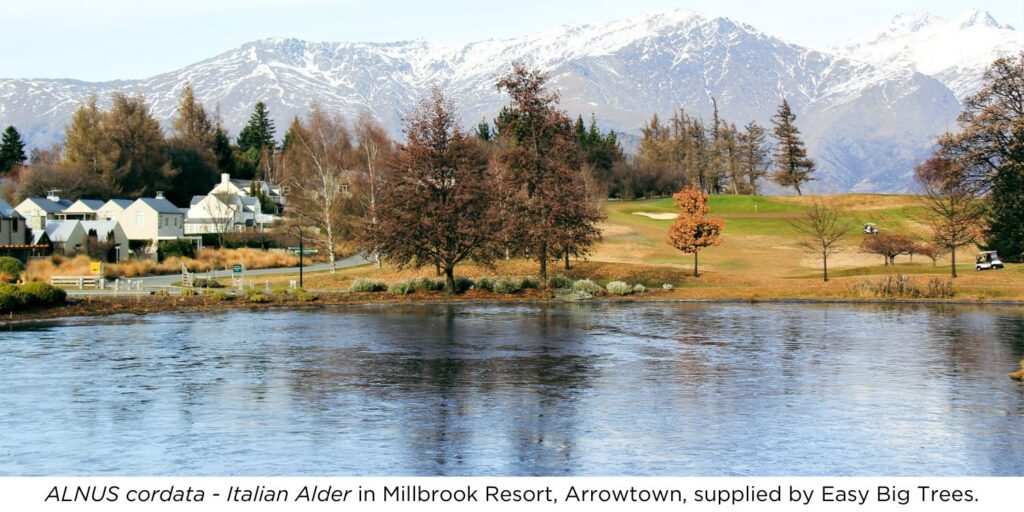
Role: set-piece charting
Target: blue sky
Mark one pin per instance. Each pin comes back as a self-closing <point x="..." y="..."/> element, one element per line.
<point x="111" y="39"/>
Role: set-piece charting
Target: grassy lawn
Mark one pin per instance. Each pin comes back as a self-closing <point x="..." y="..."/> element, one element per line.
<point x="759" y="258"/>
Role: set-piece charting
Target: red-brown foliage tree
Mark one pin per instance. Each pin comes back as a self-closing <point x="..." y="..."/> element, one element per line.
<point x="437" y="205"/>
<point x="693" y="230"/>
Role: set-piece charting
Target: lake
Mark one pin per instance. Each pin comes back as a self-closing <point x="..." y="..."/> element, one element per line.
<point x="574" y="389"/>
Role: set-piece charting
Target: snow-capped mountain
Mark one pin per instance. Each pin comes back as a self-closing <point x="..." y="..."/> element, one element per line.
<point x="867" y="120"/>
<point x="955" y="52"/>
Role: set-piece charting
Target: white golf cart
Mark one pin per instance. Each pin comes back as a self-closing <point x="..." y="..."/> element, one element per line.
<point x="870" y="229"/>
<point x="987" y="260"/>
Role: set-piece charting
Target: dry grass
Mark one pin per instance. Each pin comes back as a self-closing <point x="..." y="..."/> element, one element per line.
<point x="206" y="260"/>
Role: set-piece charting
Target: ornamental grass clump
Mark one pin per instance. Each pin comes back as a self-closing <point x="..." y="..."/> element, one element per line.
<point x="619" y="288"/>
<point x="507" y="286"/>
<point x="368" y="285"/>
<point x="402" y="287"/>
<point x="426" y="284"/>
<point x="586" y="285"/>
<point x="258" y="298"/>
<point x="463" y="284"/>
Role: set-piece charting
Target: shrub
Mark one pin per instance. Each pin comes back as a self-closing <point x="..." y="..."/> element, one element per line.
<point x="175" y="248"/>
<point x="11" y="268"/>
<point x="529" y="283"/>
<point x="402" y="287"/>
<point x="12" y="298"/>
<point x="901" y="286"/>
<point x="368" y="285"/>
<point x="666" y="286"/>
<point x="223" y="296"/>
<point x="507" y="286"/>
<point x="559" y="282"/>
<point x="259" y="298"/>
<point x="619" y="288"/>
<point x="42" y="294"/>
<point x="426" y="284"/>
<point x="203" y="282"/>
<point x="305" y="296"/>
<point x="586" y="285"/>
<point x="939" y="288"/>
<point x="639" y="288"/>
<point x="462" y="284"/>
<point x="485" y="283"/>
<point x="188" y="292"/>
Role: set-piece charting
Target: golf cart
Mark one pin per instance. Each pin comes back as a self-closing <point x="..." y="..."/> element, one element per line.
<point x="870" y="229"/>
<point x="987" y="260"/>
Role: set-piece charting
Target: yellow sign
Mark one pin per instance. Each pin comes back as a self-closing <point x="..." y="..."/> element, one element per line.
<point x="96" y="267"/>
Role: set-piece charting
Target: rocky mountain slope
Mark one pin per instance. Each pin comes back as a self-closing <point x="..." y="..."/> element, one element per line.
<point x="869" y="109"/>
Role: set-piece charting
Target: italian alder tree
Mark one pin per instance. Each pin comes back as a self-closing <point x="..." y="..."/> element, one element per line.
<point x="693" y="230"/>
<point x="990" y="149"/>
<point x="956" y="214"/>
<point x="543" y="167"/>
<point x="792" y="167"/>
<point x="437" y="202"/>
<point x="823" y="231"/>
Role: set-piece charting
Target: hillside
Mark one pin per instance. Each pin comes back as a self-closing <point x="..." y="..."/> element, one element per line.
<point x="866" y="116"/>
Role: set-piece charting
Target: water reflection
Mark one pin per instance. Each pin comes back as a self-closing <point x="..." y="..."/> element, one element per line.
<point x="520" y="390"/>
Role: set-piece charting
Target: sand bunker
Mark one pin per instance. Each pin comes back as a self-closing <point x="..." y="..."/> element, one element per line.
<point x="658" y="216"/>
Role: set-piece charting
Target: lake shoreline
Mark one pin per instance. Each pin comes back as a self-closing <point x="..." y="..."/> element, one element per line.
<point x="155" y="304"/>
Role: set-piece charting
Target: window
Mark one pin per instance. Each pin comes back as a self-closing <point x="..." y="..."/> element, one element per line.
<point x="140" y="220"/>
<point x="14" y="225"/>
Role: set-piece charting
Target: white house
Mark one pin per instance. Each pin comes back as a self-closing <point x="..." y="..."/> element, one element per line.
<point x="83" y="209"/>
<point x="154" y="219"/>
<point x="227" y="208"/>
<point x="38" y="210"/>
<point x="243" y="188"/>
<point x="111" y="210"/>
<point x="70" y="237"/>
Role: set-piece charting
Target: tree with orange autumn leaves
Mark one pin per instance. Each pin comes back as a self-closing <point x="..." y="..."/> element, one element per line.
<point x="693" y="230"/>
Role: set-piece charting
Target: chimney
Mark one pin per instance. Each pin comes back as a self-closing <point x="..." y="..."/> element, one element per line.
<point x="53" y="195"/>
<point x="225" y="178"/>
<point x="159" y="194"/>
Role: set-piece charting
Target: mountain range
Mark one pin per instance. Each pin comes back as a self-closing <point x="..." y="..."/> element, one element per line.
<point x="869" y="108"/>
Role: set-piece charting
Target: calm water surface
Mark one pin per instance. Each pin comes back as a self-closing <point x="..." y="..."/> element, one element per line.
<point x="519" y="390"/>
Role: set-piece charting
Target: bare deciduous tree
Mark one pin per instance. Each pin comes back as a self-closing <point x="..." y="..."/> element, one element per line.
<point x="319" y="158"/>
<point x="824" y="230"/>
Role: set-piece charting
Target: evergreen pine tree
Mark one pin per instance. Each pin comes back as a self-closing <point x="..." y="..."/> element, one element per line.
<point x="259" y="132"/>
<point x="12" y="150"/>
<point x="793" y="168"/>
<point x="290" y="135"/>
<point x="1005" y="232"/>
<point x="222" y="149"/>
<point x="483" y="131"/>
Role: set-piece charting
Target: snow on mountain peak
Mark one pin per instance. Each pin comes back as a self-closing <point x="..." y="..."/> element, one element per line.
<point x="978" y="18"/>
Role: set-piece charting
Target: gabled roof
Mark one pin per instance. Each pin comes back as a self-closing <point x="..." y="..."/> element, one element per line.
<point x="6" y="210"/>
<point x="196" y="200"/>
<point x="103" y="228"/>
<point x="45" y="204"/>
<point x="84" y="206"/>
<point x="119" y="204"/>
<point x="61" y="230"/>
<point x="159" y="205"/>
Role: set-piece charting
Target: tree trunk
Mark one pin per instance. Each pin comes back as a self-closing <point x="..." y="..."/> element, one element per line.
<point x="953" y="264"/>
<point x="797" y="187"/>
<point x="695" y="264"/>
<point x="437" y="269"/>
<point x="543" y="262"/>
<point x="824" y="263"/>
<point x="449" y="273"/>
<point x="567" y="259"/>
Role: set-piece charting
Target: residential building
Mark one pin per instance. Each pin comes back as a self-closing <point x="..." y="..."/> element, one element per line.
<point x="153" y="219"/>
<point x="66" y="236"/>
<point x="225" y="213"/>
<point x="83" y="209"/>
<point x="38" y="210"/>
<point x="111" y="210"/>
<point x="244" y="188"/>
<point x="13" y="230"/>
